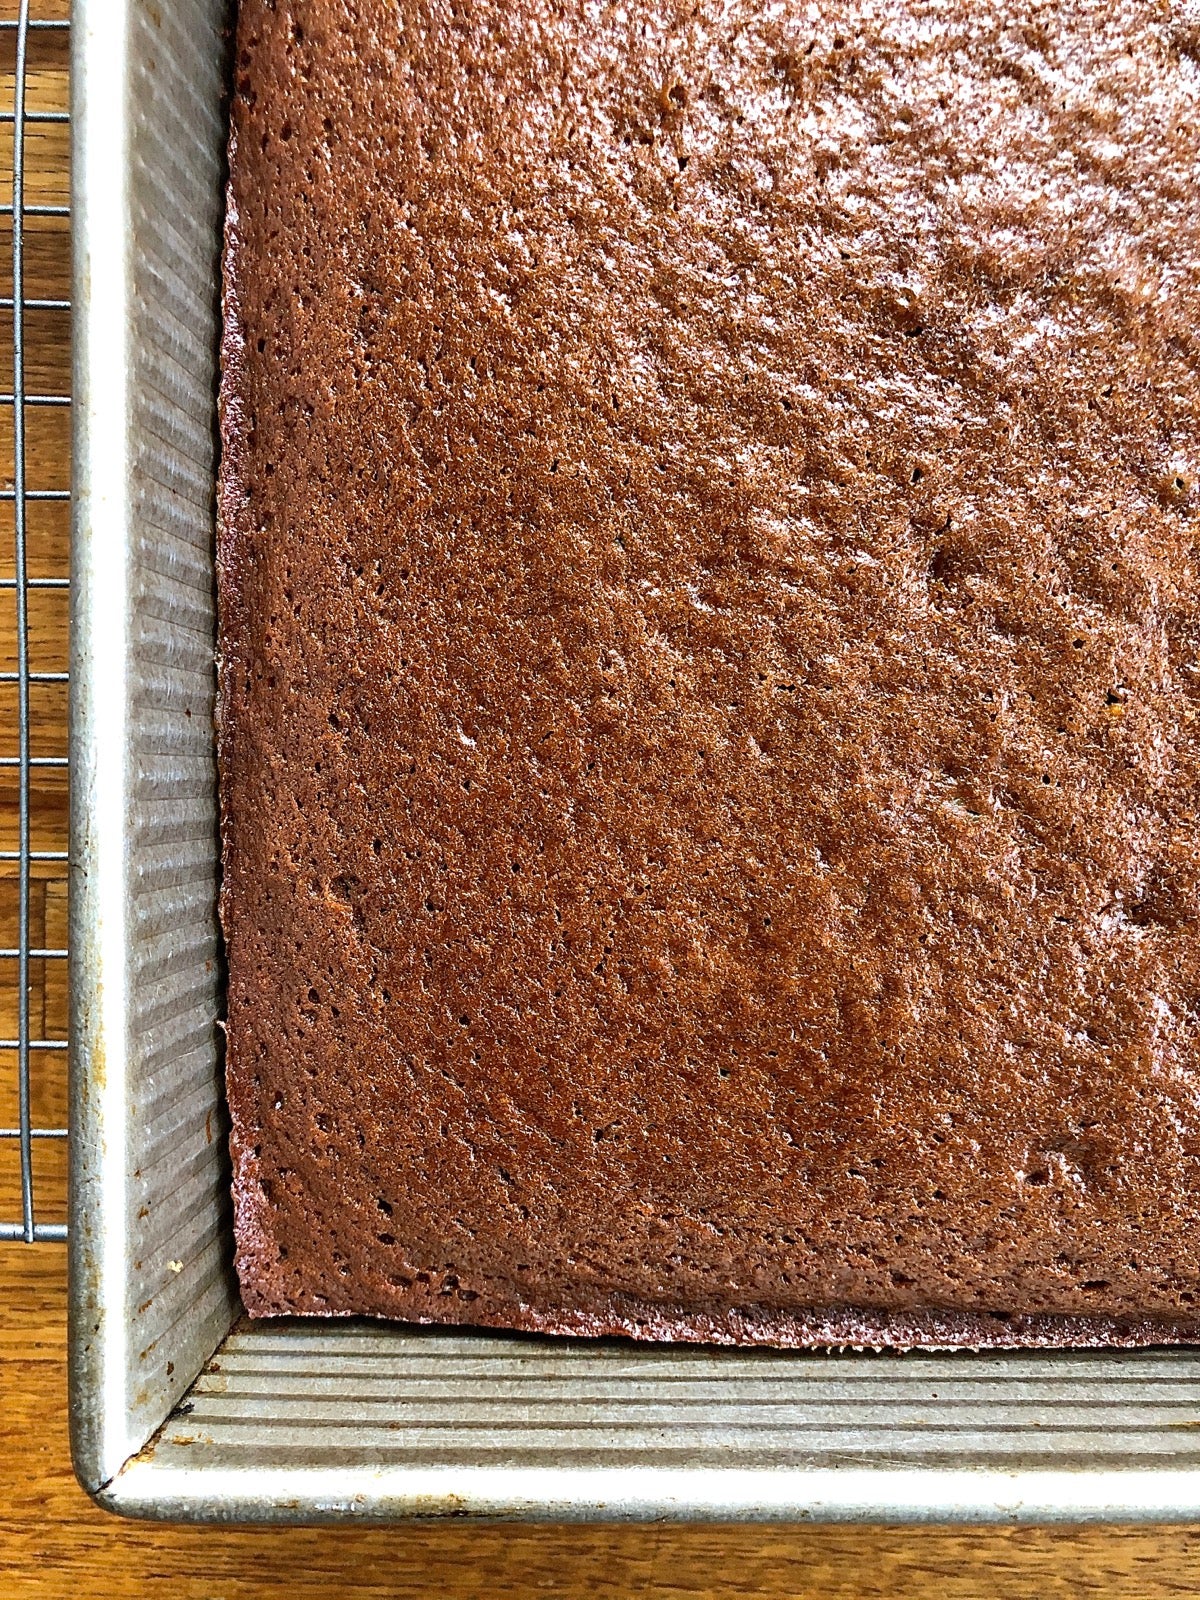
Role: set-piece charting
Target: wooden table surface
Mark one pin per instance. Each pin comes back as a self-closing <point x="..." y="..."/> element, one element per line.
<point x="54" y="1543"/>
<point x="56" y="1546"/>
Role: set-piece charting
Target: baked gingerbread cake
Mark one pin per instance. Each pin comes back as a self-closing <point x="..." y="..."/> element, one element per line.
<point x="709" y="571"/>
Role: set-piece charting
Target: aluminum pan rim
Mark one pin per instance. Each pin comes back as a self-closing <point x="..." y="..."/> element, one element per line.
<point x="112" y="1455"/>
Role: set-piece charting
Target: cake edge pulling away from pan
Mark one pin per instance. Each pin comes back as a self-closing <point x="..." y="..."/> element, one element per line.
<point x="708" y="634"/>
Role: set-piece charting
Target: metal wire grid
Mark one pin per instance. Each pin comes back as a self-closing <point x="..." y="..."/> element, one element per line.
<point x="28" y="1228"/>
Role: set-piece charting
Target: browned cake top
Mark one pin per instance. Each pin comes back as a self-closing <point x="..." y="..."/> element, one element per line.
<point x="711" y="659"/>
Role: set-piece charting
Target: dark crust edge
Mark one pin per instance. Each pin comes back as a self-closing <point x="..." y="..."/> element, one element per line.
<point x="815" y="1328"/>
<point x="230" y="459"/>
<point x="230" y="405"/>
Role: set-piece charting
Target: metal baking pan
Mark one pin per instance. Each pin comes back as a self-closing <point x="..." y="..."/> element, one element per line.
<point x="180" y="1409"/>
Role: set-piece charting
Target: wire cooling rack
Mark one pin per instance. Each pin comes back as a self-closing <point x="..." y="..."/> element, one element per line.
<point x="33" y="55"/>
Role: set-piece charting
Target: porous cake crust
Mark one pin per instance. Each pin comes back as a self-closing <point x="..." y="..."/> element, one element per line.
<point x="710" y="660"/>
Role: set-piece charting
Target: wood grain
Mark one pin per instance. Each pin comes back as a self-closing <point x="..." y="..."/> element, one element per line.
<point x="47" y="371"/>
<point x="55" y="1545"/>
